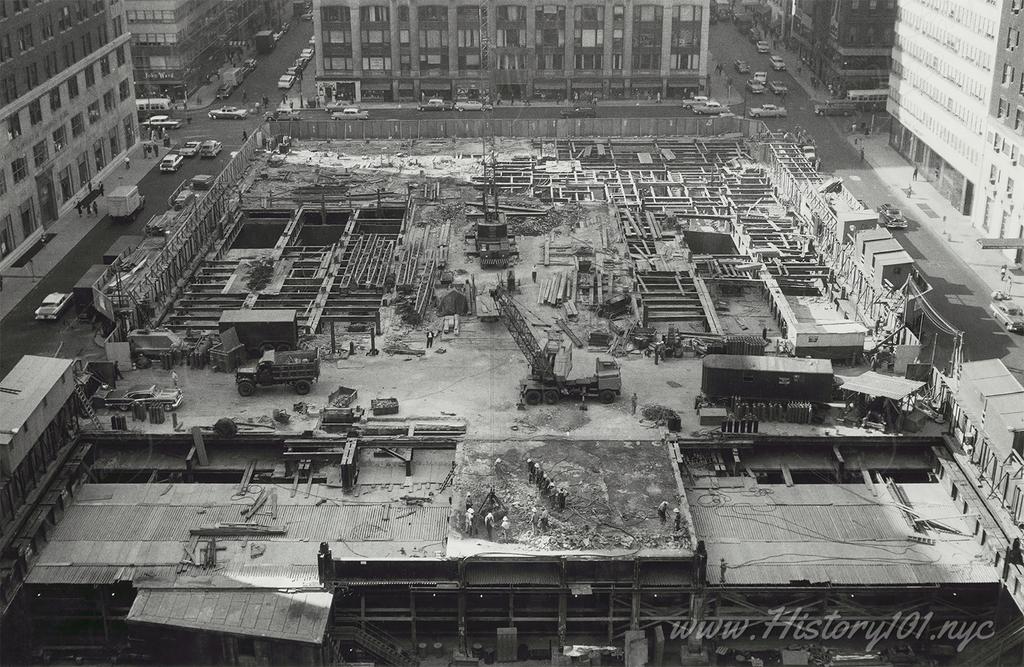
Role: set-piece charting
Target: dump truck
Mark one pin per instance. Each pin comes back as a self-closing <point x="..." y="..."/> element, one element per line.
<point x="124" y="203"/>
<point x="264" y="41"/>
<point x="262" y="330"/>
<point x="551" y="365"/>
<point x="299" y="369"/>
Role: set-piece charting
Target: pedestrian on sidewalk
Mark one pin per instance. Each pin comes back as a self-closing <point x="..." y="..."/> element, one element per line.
<point x="861" y="153"/>
<point x="174" y="378"/>
<point x="534" y="273"/>
<point x="78" y="207"/>
<point x="244" y="136"/>
<point x="632" y="402"/>
<point x="95" y="208"/>
<point x="127" y="162"/>
<point x="100" y="189"/>
<point x="915" y="174"/>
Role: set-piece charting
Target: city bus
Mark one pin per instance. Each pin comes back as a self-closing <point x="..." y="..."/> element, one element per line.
<point x="869" y="100"/>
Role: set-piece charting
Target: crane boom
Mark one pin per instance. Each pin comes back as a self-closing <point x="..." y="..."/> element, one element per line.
<point x="540" y="363"/>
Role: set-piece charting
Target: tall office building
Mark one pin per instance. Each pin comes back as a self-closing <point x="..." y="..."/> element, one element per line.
<point x="1002" y="213"/>
<point x="67" y="109"/>
<point x="560" y="50"/>
<point x="941" y="89"/>
<point x="847" y="44"/>
<point x="178" y="44"/>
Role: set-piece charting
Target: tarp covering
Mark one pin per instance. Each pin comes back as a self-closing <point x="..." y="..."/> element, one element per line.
<point x="885" y="386"/>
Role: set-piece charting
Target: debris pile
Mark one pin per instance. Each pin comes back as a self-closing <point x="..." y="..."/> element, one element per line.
<point x="261" y="270"/>
<point x="453" y="212"/>
<point x="658" y="414"/>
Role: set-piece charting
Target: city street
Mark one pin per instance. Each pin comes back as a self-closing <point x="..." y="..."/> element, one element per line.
<point x="958" y="294"/>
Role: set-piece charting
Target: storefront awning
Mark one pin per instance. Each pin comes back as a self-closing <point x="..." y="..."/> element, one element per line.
<point x="885" y="386"/>
<point x="297" y="617"/>
<point x="377" y="87"/>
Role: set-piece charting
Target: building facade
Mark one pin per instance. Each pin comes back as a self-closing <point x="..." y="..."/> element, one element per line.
<point x="410" y="51"/>
<point x="847" y="44"/>
<point x="177" y="45"/>
<point x="67" y="107"/>
<point x="1001" y="214"/>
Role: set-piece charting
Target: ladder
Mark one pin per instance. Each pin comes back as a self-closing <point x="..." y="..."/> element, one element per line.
<point x="87" y="410"/>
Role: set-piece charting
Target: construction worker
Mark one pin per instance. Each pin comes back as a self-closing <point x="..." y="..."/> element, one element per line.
<point x="489" y="525"/>
<point x="533" y="274"/>
<point x="545" y="520"/>
<point x="492" y="498"/>
<point x="174" y="378"/>
<point x="534" y="515"/>
<point x="469" y="500"/>
<point x="505" y="526"/>
<point x="678" y="518"/>
<point x="663" y="511"/>
<point x="469" y="520"/>
<point x="531" y="469"/>
<point x="632" y="402"/>
<point x="561" y="498"/>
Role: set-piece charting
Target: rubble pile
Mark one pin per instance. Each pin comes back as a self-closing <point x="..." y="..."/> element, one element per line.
<point x="261" y="270"/>
<point x="658" y="414"/>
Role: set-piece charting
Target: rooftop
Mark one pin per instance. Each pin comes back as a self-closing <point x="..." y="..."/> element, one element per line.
<point x="24" y="388"/>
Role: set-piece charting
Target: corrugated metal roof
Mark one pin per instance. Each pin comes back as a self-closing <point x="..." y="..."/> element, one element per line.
<point x="894" y="564"/>
<point x="79" y="574"/>
<point x="876" y="384"/>
<point x="299" y="617"/>
<point x="783" y="523"/>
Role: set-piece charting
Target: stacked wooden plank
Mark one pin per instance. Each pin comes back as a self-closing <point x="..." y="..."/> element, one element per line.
<point x="368" y="261"/>
<point x="558" y="288"/>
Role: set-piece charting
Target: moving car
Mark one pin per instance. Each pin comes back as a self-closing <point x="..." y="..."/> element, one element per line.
<point x="286" y="82"/>
<point x="284" y="113"/>
<point x="162" y="121"/>
<point x="53" y="306"/>
<point x="1009" y="314"/>
<point x="711" y="108"/>
<point x="171" y="162"/>
<point x="350" y="113"/>
<point x="695" y="101"/>
<point x="336" y="105"/>
<point x="835" y="108"/>
<point x="123" y="399"/>
<point x="891" y="217"/>
<point x="229" y="113"/>
<point x="777" y="63"/>
<point x="579" y="112"/>
<point x="473" y="105"/>
<point x="741" y="66"/>
<point x="755" y="87"/>
<point x="224" y="91"/>
<point x="767" y="111"/>
<point x="249" y="66"/>
<point x="762" y="46"/>
<point x="189" y="148"/>
<point x="778" y="87"/>
<point x="210" y="148"/>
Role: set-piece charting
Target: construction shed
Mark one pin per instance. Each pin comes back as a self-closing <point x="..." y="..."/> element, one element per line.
<point x="767" y="378"/>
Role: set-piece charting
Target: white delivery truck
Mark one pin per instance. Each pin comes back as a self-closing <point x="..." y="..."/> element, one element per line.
<point x="124" y="203"/>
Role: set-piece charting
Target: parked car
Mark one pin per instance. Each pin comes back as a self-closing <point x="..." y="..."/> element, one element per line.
<point x="761" y="77"/>
<point x="350" y="113"/>
<point x="229" y="113"/>
<point x="249" y="65"/>
<point x="189" y="149"/>
<point x="778" y="87"/>
<point x="53" y="306"/>
<point x="123" y="399"/>
<point x="473" y="105"/>
<point x="891" y="217"/>
<point x="210" y="148"/>
<point x="277" y="36"/>
<point x="711" y="108"/>
<point x="762" y="46"/>
<point x="162" y="122"/>
<point x="292" y="72"/>
<point x="171" y="162"/>
<point x="308" y="16"/>
<point x="284" y="113"/>
<point x="695" y="101"/>
<point x="777" y="63"/>
<point x="336" y="105"/>
<point x="767" y="111"/>
<point x="285" y="27"/>
<point x="741" y="66"/>
<point x="755" y="87"/>
<point x="307" y="53"/>
<point x="224" y="91"/>
<point x="286" y="82"/>
<point x="435" y="104"/>
<point x="299" y="65"/>
<point x="1009" y="314"/>
<point x="579" y="112"/>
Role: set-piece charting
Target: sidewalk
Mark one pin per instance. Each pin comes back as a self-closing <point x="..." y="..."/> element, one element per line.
<point x="934" y="212"/>
<point x="70" y="228"/>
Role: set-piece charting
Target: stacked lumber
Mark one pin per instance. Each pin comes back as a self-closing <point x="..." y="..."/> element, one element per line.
<point x="558" y="288"/>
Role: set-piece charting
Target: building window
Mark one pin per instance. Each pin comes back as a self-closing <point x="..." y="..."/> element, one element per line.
<point x="104" y="66"/>
<point x="8" y="90"/>
<point x="1018" y="119"/>
<point x="55" y="99"/>
<point x="1007" y="74"/>
<point x="69" y="54"/>
<point x="83" y="167"/>
<point x="617" y="62"/>
<point x="123" y="90"/>
<point x="375" y="14"/>
<point x="377" y="63"/>
<point x="35" y="112"/>
<point x="647" y="14"/>
<point x="335" y="15"/>
<point x="589" y="38"/>
<point x="25" y="39"/>
<point x="5" y="48"/>
<point x="588" y="61"/>
<point x="94" y="112"/>
<point x="115" y="141"/>
<point x="40" y="153"/>
<point x="119" y="54"/>
<point x="46" y="26"/>
<point x="336" y="63"/>
<point x="14" y="125"/>
<point x="403" y="37"/>
<point x="108" y="100"/>
<point x="19" y="169"/>
<point x="590" y="14"/>
<point x="433" y="39"/>
<point x="32" y="75"/>
<point x="28" y="218"/>
<point x="129" y="132"/>
<point x="647" y="61"/>
<point x="6" y="235"/>
<point x="337" y="36"/>
<point x="60" y="139"/>
<point x="376" y="36"/>
<point x="3" y="182"/>
<point x="73" y="87"/>
<point x="97" y="151"/>
<point x="77" y="125"/>
<point x="90" y="76"/>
